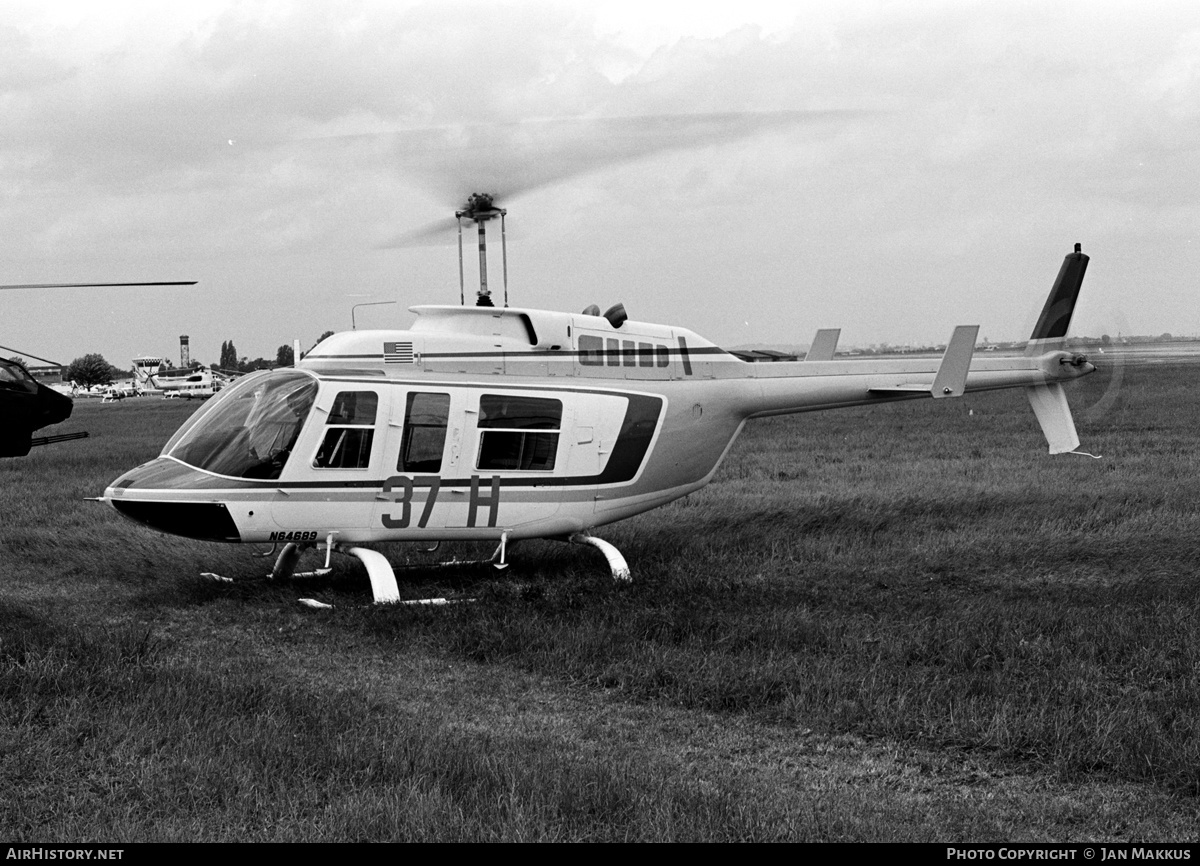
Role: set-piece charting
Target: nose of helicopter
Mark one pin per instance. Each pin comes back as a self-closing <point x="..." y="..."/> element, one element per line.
<point x="54" y="408"/>
<point x="166" y="495"/>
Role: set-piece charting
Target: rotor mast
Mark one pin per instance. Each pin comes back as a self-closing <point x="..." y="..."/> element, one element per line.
<point x="480" y="208"/>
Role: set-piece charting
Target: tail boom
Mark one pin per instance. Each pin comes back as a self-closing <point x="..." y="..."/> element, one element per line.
<point x="811" y="385"/>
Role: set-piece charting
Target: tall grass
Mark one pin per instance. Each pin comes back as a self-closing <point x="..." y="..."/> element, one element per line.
<point x="108" y="737"/>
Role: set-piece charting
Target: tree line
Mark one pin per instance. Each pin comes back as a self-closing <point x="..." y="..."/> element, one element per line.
<point x="285" y="356"/>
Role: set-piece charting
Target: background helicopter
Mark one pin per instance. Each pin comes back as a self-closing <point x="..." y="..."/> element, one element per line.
<point x="27" y="405"/>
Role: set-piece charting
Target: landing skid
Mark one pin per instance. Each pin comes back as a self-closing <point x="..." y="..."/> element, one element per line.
<point x="383" y="579"/>
<point x="379" y="570"/>
<point x="616" y="562"/>
<point x="285" y="565"/>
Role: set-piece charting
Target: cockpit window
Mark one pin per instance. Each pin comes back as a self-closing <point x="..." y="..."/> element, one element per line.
<point x="13" y="376"/>
<point x="248" y="431"/>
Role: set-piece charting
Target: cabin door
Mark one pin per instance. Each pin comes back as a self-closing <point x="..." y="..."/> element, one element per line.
<point x="337" y="463"/>
<point x="425" y="445"/>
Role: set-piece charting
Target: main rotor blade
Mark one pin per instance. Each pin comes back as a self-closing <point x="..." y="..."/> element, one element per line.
<point x="431" y="234"/>
<point x="512" y="159"/>
<point x="92" y="285"/>
<point x="506" y="160"/>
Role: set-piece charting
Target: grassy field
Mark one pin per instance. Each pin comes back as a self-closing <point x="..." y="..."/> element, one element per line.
<point x="903" y="624"/>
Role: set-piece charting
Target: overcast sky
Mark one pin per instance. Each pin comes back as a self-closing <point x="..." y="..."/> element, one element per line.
<point x="893" y="169"/>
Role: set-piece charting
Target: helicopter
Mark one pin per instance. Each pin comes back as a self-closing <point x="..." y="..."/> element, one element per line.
<point x="501" y="423"/>
<point x="26" y="405"/>
<point x="152" y="376"/>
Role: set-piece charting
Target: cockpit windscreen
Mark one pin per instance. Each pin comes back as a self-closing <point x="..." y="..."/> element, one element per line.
<point x="249" y="429"/>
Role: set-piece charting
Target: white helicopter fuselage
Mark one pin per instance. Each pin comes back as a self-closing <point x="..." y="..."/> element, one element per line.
<point x="490" y="423"/>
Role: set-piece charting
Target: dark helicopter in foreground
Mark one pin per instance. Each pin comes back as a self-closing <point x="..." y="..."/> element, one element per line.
<point x="25" y="406"/>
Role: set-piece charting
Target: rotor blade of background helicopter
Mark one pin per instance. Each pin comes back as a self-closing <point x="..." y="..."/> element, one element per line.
<point x="92" y="285"/>
<point x="29" y="355"/>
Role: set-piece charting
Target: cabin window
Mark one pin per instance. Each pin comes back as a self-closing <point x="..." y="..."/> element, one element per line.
<point x="591" y="351"/>
<point x="425" y="419"/>
<point x="598" y="352"/>
<point x="518" y="432"/>
<point x="351" y="430"/>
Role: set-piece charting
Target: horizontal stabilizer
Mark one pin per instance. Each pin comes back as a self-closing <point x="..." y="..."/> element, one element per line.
<point x="824" y="344"/>
<point x="1049" y="404"/>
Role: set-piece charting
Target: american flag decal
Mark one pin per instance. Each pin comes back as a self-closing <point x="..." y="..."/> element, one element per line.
<point x="397" y="353"/>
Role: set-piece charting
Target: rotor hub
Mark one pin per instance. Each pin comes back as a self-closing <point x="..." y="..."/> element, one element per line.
<point x="480" y="207"/>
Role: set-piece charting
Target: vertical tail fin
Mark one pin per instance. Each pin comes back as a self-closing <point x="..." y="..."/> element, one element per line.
<point x="1049" y="404"/>
<point x="1048" y="400"/>
<point x="1052" y="325"/>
